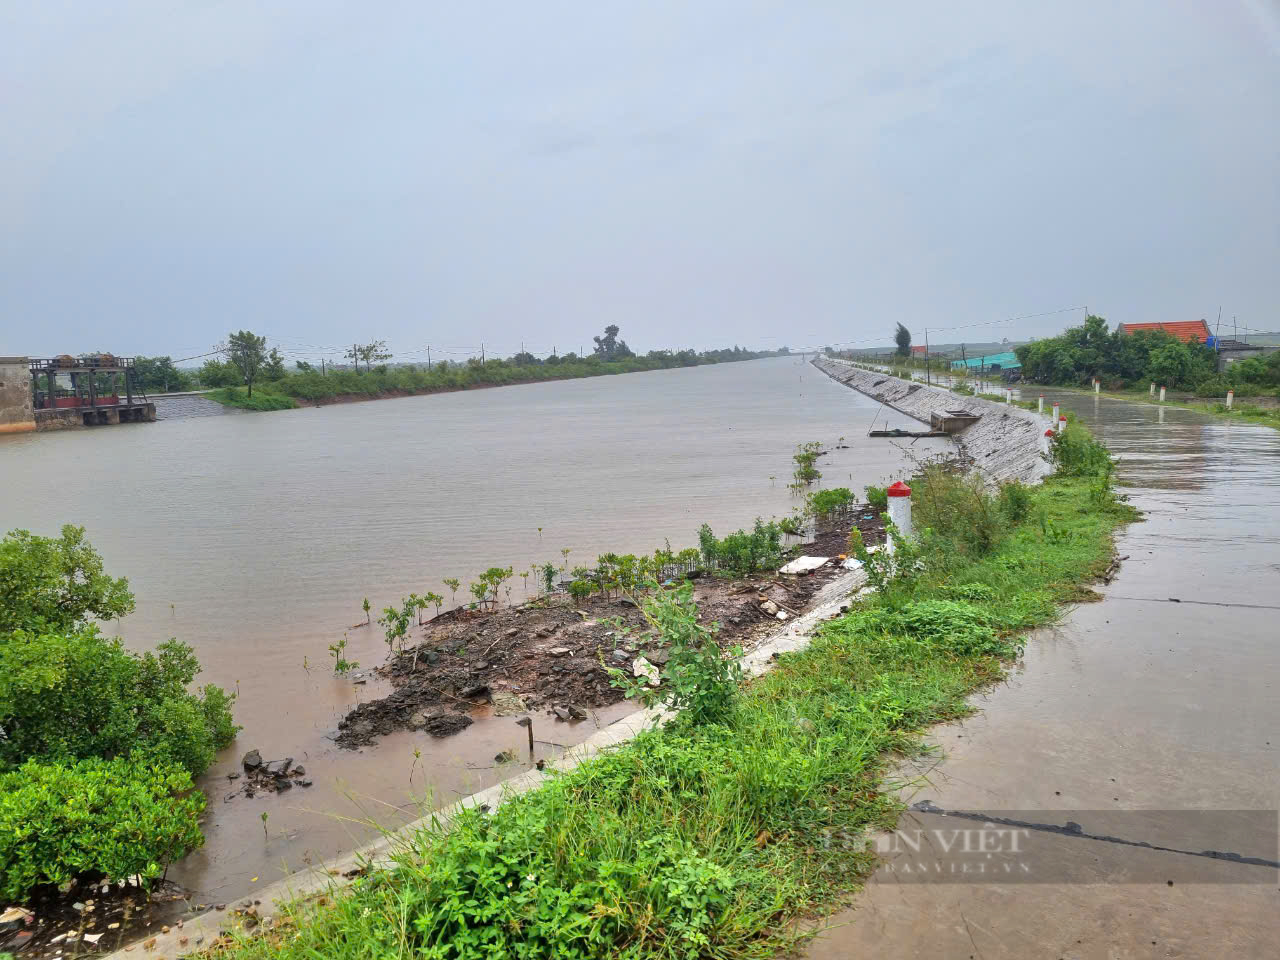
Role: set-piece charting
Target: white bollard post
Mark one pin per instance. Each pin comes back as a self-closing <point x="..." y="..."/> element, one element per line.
<point x="899" y="510"/>
<point x="1008" y="395"/>
<point x="1097" y="385"/>
<point x="1045" y="441"/>
<point x="1062" y="424"/>
<point x="1162" y="394"/>
<point x="1231" y="395"/>
<point x="1152" y="391"/>
<point x="1040" y="404"/>
<point x="1055" y="414"/>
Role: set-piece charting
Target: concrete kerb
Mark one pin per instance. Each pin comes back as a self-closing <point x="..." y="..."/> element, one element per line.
<point x="331" y="876"/>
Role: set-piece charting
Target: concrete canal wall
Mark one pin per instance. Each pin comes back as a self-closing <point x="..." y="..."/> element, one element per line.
<point x="16" y="415"/>
<point x="1005" y="443"/>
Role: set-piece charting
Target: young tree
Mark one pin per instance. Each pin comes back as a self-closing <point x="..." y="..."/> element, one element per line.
<point x="369" y="352"/>
<point x="273" y="367"/>
<point x="609" y="347"/>
<point x="247" y="352"/>
<point x="902" y="337"/>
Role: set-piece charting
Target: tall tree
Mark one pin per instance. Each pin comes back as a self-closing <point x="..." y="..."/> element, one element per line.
<point x="368" y="352"/>
<point x="247" y="352"/>
<point x="609" y="347"/>
<point x="902" y="337"/>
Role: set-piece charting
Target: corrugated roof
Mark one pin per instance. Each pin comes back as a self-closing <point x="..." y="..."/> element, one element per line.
<point x="1005" y="361"/>
<point x="1184" y="330"/>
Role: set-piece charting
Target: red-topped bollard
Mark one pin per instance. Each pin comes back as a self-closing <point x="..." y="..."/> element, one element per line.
<point x="900" y="509"/>
<point x="1062" y="423"/>
<point x="1040" y="404"/>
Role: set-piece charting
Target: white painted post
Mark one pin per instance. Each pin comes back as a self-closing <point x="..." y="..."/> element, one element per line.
<point x="899" y="510"/>
<point x="1045" y="441"/>
<point x="1062" y="424"/>
<point x="1008" y="395"/>
<point x="1231" y="395"/>
<point x="1040" y="404"/>
<point x="1152" y="391"/>
<point x="1097" y="385"/>
<point x="1162" y="394"/>
<point x="1056" y="412"/>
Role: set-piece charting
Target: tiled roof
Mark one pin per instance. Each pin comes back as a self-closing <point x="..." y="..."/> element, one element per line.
<point x="1184" y="330"/>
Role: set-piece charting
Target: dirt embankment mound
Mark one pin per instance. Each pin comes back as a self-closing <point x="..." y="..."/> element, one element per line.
<point x="554" y="653"/>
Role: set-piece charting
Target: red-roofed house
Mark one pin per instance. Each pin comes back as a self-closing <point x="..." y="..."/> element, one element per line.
<point x="918" y="349"/>
<point x="1184" y="330"/>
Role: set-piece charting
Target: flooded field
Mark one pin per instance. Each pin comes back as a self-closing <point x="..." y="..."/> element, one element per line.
<point x="255" y="537"/>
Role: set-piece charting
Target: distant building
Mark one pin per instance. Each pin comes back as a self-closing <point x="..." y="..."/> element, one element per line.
<point x="992" y="361"/>
<point x="917" y="350"/>
<point x="1184" y="330"/>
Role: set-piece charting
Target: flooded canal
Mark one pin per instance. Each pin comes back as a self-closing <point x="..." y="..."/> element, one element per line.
<point x="254" y="538"/>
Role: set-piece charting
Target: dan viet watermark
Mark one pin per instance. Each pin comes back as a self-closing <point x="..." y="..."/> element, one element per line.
<point x="933" y="845"/>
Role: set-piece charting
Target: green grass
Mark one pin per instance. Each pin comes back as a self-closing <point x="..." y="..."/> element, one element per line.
<point x="714" y="841"/>
<point x="261" y="399"/>
<point x="1241" y="410"/>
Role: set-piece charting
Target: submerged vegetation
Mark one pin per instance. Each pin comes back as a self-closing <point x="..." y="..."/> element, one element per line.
<point x="713" y="834"/>
<point x="99" y="744"/>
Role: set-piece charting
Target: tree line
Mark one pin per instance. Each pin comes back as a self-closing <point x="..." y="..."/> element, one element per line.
<point x="1147" y="356"/>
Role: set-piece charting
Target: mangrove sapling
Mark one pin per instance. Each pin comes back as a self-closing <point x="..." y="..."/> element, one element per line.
<point x="341" y="664"/>
<point x="564" y="565"/>
<point x="396" y="624"/>
<point x="524" y="575"/>
<point x="549" y="577"/>
<point x="263" y="817"/>
<point x="365" y="607"/>
<point x="452" y="583"/>
<point x="434" y="599"/>
<point x="805" y="457"/>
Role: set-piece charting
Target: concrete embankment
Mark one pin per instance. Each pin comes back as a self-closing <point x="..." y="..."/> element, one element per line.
<point x="1005" y="443"/>
<point x="180" y="406"/>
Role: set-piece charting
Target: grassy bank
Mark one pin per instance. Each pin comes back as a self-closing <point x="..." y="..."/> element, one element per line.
<point x="312" y="386"/>
<point x="261" y="399"/>
<point x="712" y="838"/>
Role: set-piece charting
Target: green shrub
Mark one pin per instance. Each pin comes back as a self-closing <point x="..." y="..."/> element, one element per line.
<point x="956" y="626"/>
<point x="878" y="497"/>
<point x="957" y="509"/>
<point x="56" y="584"/>
<point x="100" y="818"/>
<point x="742" y="553"/>
<point x="80" y="695"/>
<point x="1015" y="502"/>
<point x="1075" y="453"/>
<point x="239" y="397"/>
<point x="697" y="679"/>
<point x="823" y="503"/>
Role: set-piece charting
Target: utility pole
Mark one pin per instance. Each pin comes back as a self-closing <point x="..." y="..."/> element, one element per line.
<point x="428" y="356"/>
<point x="322" y="366"/>
<point x="926" y="357"/>
<point x="482" y="354"/>
<point x="355" y="357"/>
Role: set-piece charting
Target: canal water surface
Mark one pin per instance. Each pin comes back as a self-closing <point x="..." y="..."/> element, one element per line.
<point x="254" y="538"/>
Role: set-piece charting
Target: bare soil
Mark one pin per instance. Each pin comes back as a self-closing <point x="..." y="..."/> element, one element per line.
<point x="554" y="654"/>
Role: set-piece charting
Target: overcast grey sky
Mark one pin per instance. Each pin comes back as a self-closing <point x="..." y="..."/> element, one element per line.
<point x="700" y="173"/>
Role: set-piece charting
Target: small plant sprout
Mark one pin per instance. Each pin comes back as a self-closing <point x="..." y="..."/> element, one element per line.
<point x="341" y="665"/>
<point x="263" y="817"/>
<point x="365" y="607"/>
<point x="452" y="583"/>
<point x="539" y="533"/>
<point x="524" y="575"/>
<point x="417" y="755"/>
<point x="305" y="665"/>
<point x="564" y="552"/>
<point x="434" y="599"/>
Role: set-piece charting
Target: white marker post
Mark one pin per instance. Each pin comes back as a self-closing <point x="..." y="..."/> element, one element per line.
<point x="1162" y="394"/>
<point x="1231" y="396"/>
<point x="1152" y="391"/>
<point x="1062" y="424"/>
<point x="1045" y="441"/>
<point x="1040" y="404"/>
<point x="1056" y="412"/>
<point x="899" y="510"/>
<point x="1008" y="395"/>
<point x="1097" y="385"/>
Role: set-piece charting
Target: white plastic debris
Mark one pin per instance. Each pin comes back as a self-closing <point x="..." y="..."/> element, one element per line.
<point x="804" y="564"/>
<point x="643" y="668"/>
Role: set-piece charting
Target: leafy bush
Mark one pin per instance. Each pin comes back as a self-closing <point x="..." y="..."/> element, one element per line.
<point x="823" y="503"/>
<point x="1015" y="502"/>
<point x="1075" y="453"/>
<point x="697" y="679"/>
<point x="878" y="497"/>
<point x="80" y="695"/>
<point x="103" y="818"/>
<point x="56" y="584"/>
<point x="743" y="553"/>
<point x="957" y="509"/>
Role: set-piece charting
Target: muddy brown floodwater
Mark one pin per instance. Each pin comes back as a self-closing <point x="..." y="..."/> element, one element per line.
<point x="255" y="537"/>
